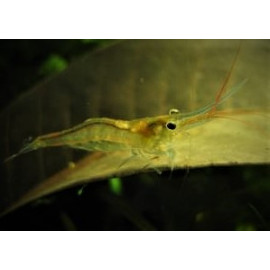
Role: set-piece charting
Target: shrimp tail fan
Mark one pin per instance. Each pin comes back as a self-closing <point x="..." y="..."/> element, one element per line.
<point x="27" y="148"/>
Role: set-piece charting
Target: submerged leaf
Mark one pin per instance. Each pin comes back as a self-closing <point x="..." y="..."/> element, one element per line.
<point x="138" y="79"/>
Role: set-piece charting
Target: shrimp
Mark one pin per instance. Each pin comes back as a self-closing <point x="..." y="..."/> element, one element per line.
<point x="149" y="136"/>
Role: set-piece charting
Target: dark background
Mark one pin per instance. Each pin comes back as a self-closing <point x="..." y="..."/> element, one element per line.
<point x="212" y="198"/>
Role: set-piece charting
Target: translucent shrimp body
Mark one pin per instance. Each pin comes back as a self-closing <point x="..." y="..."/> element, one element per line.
<point x="144" y="136"/>
<point x="150" y="135"/>
<point x="105" y="134"/>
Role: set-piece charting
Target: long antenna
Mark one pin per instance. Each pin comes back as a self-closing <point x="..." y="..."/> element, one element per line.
<point x="226" y="80"/>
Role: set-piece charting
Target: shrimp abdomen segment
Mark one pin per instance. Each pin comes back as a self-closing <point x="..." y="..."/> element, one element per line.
<point x="97" y="134"/>
<point x="90" y="135"/>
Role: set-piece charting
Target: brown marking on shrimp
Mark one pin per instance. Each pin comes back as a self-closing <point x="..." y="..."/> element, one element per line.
<point x="149" y="126"/>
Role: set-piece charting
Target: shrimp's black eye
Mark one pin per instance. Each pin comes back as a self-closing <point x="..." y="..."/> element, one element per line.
<point x="171" y="126"/>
